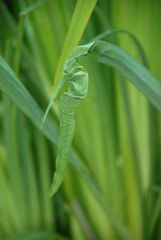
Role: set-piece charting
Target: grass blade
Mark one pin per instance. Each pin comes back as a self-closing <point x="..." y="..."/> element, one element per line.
<point x="78" y="24"/>
<point x="17" y="92"/>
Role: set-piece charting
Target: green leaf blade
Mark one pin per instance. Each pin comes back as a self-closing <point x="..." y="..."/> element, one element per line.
<point x="80" y="18"/>
<point x="10" y="85"/>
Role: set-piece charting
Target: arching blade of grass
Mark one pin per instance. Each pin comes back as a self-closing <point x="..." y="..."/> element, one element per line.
<point x="113" y="32"/>
<point x="138" y="75"/>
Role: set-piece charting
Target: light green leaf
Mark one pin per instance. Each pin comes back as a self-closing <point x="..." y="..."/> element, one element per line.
<point x="81" y="15"/>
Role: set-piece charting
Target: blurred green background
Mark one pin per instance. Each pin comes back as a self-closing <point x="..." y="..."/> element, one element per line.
<point x="112" y="189"/>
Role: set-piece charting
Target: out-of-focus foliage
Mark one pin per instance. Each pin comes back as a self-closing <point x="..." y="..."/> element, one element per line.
<point x="117" y="143"/>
